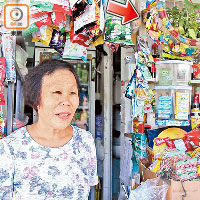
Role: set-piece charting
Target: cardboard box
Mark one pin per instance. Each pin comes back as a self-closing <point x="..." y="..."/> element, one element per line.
<point x="187" y="190"/>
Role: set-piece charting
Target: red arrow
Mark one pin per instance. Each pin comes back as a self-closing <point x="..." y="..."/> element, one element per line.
<point x="127" y="12"/>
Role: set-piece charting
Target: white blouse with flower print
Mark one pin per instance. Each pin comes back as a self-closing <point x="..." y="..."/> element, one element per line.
<point x="29" y="170"/>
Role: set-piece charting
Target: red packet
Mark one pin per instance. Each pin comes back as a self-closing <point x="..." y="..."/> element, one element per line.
<point x="2" y="69"/>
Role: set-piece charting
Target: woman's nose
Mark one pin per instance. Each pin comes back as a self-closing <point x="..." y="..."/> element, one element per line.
<point x="65" y="100"/>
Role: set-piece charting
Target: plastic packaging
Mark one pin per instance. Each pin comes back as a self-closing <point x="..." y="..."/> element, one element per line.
<point x="151" y="189"/>
<point x="182" y="73"/>
<point x="194" y="137"/>
<point x="179" y="144"/>
<point x="164" y="74"/>
<point x="173" y="102"/>
<point x="58" y="18"/>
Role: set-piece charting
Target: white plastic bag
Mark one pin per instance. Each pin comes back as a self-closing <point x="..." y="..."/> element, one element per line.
<point x="151" y="189"/>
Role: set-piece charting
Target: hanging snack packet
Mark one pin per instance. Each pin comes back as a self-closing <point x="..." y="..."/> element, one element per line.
<point x="143" y="91"/>
<point x="74" y="51"/>
<point x="138" y="109"/>
<point x="59" y="19"/>
<point x="8" y="53"/>
<point x="113" y="46"/>
<point x="36" y="12"/>
<point x="44" y="35"/>
<point x="145" y="73"/>
<point x="58" y="41"/>
<point x="68" y="23"/>
<point x="36" y="23"/>
<point x="116" y="32"/>
<point x="99" y="41"/>
<point x="86" y="20"/>
<point x="42" y="5"/>
<point x="52" y="5"/>
<point x="95" y="30"/>
<point x="81" y="38"/>
<point x="2" y="69"/>
<point x="130" y="88"/>
<point x="78" y="7"/>
<point x="2" y="124"/>
<point x="2" y="100"/>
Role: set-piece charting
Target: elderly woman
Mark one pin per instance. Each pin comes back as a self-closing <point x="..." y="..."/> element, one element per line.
<point x="49" y="159"/>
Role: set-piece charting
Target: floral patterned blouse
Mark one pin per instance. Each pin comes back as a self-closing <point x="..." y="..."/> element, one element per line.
<point x="30" y="171"/>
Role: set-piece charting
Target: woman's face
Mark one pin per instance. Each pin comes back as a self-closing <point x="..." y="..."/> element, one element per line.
<point x="59" y="99"/>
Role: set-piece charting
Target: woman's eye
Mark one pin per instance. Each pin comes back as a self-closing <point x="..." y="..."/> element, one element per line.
<point x="72" y="93"/>
<point x="57" y="92"/>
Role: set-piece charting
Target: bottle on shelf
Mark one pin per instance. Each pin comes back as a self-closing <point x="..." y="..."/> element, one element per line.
<point x="196" y="69"/>
<point x="78" y="71"/>
<point x="195" y="112"/>
<point x="84" y="74"/>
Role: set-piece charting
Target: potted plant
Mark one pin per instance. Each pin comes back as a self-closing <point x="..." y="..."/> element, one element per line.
<point x="186" y="20"/>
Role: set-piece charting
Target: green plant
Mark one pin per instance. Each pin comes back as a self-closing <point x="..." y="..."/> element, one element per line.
<point x="186" y="20"/>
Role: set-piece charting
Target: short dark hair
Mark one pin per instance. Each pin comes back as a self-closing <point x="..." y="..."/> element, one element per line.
<point x="33" y="80"/>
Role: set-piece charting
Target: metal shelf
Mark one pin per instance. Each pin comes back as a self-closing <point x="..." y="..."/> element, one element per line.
<point x="195" y="82"/>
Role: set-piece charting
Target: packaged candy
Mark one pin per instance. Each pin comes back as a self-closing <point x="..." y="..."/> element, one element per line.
<point x="170" y="159"/>
<point x="186" y="169"/>
<point x="164" y="107"/>
<point x="179" y="144"/>
<point x="182" y="106"/>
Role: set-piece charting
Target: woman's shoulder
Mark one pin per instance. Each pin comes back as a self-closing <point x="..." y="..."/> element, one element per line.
<point x="15" y="136"/>
<point x="79" y="132"/>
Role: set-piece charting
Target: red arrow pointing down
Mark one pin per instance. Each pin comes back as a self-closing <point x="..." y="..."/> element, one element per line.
<point x="127" y="12"/>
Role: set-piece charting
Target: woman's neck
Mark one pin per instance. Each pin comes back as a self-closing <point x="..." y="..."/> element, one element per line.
<point x="47" y="136"/>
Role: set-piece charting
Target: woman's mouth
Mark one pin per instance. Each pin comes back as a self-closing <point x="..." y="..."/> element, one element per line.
<point x="63" y="115"/>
